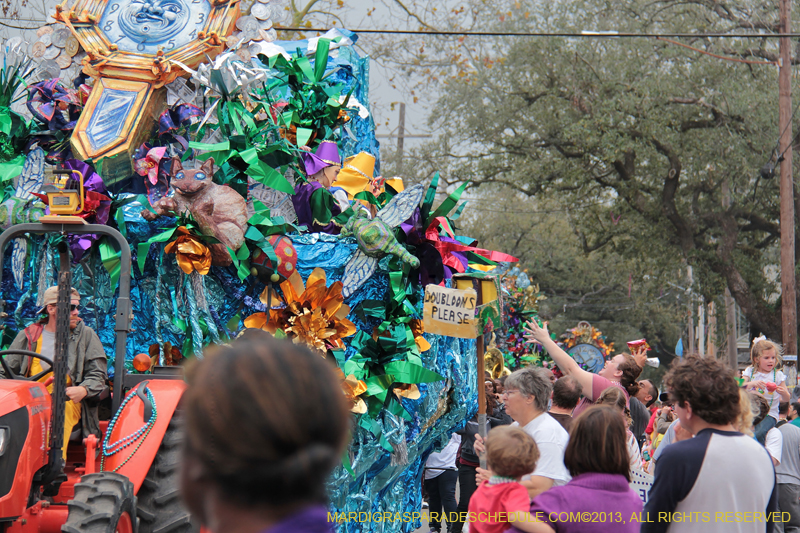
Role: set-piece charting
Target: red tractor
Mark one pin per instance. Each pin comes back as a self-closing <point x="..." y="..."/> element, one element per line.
<point x="134" y="490"/>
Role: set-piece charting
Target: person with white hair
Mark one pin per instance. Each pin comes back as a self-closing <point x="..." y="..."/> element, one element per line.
<point x="527" y="392"/>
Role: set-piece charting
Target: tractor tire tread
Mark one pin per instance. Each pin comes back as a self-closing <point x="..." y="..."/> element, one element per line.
<point x="99" y="502"/>
<point x="176" y="523"/>
<point x="160" y="509"/>
<point x="167" y="497"/>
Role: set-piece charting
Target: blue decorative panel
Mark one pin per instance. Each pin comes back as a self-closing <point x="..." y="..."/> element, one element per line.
<point x="109" y="116"/>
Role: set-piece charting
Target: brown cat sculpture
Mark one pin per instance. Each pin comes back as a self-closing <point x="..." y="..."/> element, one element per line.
<point x="220" y="211"/>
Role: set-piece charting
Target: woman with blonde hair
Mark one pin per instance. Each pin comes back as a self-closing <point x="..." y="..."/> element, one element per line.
<point x="744" y="422"/>
<point x="615" y="398"/>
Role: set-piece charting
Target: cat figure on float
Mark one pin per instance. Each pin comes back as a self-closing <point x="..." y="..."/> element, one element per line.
<point x="375" y="238"/>
<point x="220" y="211"/>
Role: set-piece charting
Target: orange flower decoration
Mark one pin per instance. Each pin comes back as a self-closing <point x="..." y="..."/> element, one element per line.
<point x="410" y="391"/>
<point x="191" y="253"/>
<point x="353" y="388"/>
<point x="417" y="328"/>
<point x="314" y="314"/>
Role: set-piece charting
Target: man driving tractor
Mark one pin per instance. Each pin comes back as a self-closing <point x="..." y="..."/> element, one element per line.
<point x="86" y="362"/>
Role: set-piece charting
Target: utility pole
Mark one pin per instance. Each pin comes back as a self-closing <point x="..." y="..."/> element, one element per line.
<point x="788" y="297"/>
<point x="730" y="306"/>
<point x="401" y="134"/>
<point x="730" y="318"/>
<point x="691" y="314"/>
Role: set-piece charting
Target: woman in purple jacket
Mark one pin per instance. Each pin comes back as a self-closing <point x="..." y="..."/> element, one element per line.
<point x="598" y="499"/>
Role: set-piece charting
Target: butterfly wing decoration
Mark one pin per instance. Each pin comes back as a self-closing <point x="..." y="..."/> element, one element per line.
<point x="402" y="206"/>
<point x="31" y="180"/>
<point x="358" y="270"/>
<point x="32" y="177"/>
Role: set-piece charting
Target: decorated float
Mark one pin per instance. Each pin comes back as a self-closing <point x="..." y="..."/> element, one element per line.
<point x="244" y="173"/>
<point x="585" y="343"/>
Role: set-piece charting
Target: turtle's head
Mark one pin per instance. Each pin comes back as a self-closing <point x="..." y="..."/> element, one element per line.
<point x="351" y="225"/>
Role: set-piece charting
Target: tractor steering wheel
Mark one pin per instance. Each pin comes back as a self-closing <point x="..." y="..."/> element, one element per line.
<point x="12" y="375"/>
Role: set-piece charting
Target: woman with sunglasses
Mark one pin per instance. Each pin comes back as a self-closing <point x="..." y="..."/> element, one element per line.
<point x="86" y="363"/>
<point x="526" y="394"/>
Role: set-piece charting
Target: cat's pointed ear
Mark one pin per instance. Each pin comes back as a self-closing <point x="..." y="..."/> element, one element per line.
<point x="208" y="167"/>
<point x="176" y="166"/>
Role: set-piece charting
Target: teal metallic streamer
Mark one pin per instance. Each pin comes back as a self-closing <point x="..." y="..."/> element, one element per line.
<point x="197" y="333"/>
<point x="158" y="313"/>
<point x="201" y="297"/>
<point x="25" y="296"/>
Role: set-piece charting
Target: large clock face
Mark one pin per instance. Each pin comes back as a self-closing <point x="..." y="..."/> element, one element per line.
<point x="145" y="26"/>
<point x="588" y="356"/>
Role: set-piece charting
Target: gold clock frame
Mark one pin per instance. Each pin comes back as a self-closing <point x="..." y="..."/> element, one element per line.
<point x="104" y="59"/>
<point x="120" y="70"/>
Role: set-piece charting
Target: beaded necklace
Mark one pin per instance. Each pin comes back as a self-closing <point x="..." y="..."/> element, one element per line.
<point x="140" y="434"/>
<point x="772" y="399"/>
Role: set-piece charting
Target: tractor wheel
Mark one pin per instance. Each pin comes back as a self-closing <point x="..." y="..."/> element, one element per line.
<point x="103" y="503"/>
<point x="160" y="509"/>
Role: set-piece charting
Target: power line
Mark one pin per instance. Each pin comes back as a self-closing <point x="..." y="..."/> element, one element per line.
<point x="583" y="34"/>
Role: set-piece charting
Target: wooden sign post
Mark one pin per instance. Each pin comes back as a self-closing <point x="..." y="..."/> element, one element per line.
<point x="485" y="287"/>
<point x="451" y="312"/>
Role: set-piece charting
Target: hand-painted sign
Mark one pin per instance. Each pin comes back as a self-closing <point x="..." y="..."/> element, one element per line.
<point x="450" y="312"/>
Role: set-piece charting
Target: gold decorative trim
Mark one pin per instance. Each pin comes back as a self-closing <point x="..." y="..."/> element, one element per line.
<point x="351" y="167"/>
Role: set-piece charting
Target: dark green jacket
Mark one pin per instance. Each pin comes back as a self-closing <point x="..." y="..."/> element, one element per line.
<point x="86" y="364"/>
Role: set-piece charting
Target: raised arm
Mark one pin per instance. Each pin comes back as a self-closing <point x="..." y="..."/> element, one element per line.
<point x="566" y="363"/>
<point x="783" y="391"/>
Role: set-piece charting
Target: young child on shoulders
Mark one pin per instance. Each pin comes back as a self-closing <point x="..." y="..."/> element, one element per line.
<point x="502" y="501"/>
<point x="765" y="377"/>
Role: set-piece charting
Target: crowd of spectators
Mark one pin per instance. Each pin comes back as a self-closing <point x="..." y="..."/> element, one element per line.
<point x="556" y="449"/>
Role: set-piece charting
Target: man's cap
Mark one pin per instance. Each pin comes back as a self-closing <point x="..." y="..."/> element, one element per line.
<point x="51" y="297"/>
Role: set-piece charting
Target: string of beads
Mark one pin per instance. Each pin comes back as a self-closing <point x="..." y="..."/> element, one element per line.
<point x="139" y="435"/>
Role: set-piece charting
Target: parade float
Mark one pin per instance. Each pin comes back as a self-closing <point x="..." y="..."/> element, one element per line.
<point x="209" y="145"/>
<point x="520" y="304"/>
<point x="584" y="342"/>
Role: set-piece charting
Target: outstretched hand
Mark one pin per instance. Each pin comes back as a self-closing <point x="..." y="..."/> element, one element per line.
<point x="534" y="333"/>
<point x="478" y="445"/>
<point x="640" y="355"/>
